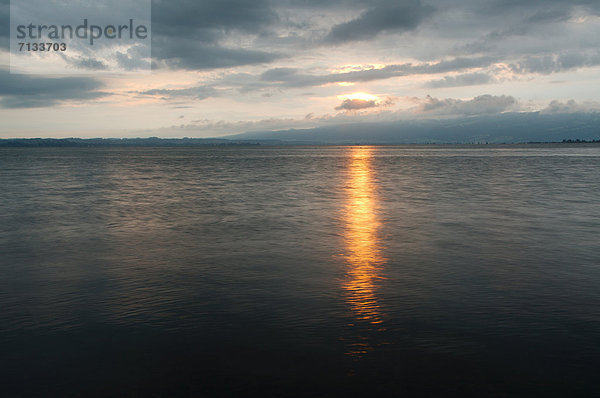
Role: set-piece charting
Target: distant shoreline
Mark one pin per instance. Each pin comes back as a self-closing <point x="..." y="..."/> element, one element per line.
<point x="117" y="142"/>
<point x="216" y="142"/>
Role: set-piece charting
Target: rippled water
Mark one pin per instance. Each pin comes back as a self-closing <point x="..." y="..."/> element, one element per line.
<point x="302" y="271"/>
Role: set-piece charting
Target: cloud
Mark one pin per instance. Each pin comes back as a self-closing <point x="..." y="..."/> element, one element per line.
<point x="285" y="77"/>
<point x="28" y="91"/>
<point x="279" y="74"/>
<point x="536" y="7"/>
<point x="171" y="17"/>
<point x="386" y="16"/>
<point x="132" y="59"/>
<point x="85" y="63"/>
<point x="198" y="93"/>
<point x="185" y="53"/>
<point x="291" y="77"/>
<point x="4" y="24"/>
<point x="571" y="106"/>
<point x="355" y="104"/>
<point x="188" y="34"/>
<point x="483" y="104"/>
<point x="467" y="79"/>
<point x="512" y="28"/>
<point x="552" y="63"/>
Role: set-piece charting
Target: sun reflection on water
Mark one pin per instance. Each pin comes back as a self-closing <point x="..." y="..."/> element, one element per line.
<point x="363" y="252"/>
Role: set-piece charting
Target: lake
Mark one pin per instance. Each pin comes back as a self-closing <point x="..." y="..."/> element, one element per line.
<point x="321" y="271"/>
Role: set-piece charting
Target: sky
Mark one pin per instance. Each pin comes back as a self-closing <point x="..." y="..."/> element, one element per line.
<point x="222" y="67"/>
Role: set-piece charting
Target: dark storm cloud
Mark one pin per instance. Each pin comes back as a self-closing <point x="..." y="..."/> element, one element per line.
<point x="27" y="91"/>
<point x="384" y="16"/>
<point x="355" y="104"/>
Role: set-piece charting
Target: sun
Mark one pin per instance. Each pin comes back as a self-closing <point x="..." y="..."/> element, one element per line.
<point x="358" y="96"/>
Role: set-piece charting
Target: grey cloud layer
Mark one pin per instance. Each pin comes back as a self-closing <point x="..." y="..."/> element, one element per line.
<point x="293" y="78"/>
<point x="517" y="27"/>
<point x="195" y="35"/>
<point x="209" y="34"/>
<point x="466" y="79"/>
<point x="280" y="78"/>
<point x="551" y="63"/>
<point x="187" y="34"/>
<point x="571" y="106"/>
<point x="190" y="34"/>
<point x="481" y="105"/>
<point x="389" y="15"/>
<point x="4" y="23"/>
<point x="199" y="93"/>
<point x="25" y="91"/>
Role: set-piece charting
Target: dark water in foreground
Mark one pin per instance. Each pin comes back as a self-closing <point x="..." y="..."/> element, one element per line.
<point x="326" y="271"/>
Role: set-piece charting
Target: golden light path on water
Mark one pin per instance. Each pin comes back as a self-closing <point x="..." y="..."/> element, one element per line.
<point x="363" y="250"/>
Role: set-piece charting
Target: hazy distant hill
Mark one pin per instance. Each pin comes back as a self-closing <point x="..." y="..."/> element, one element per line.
<point x="504" y="128"/>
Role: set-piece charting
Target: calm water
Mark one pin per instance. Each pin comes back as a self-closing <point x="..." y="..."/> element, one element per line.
<point x="304" y="271"/>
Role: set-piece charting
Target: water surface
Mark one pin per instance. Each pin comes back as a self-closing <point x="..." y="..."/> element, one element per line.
<point x="300" y="271"/>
